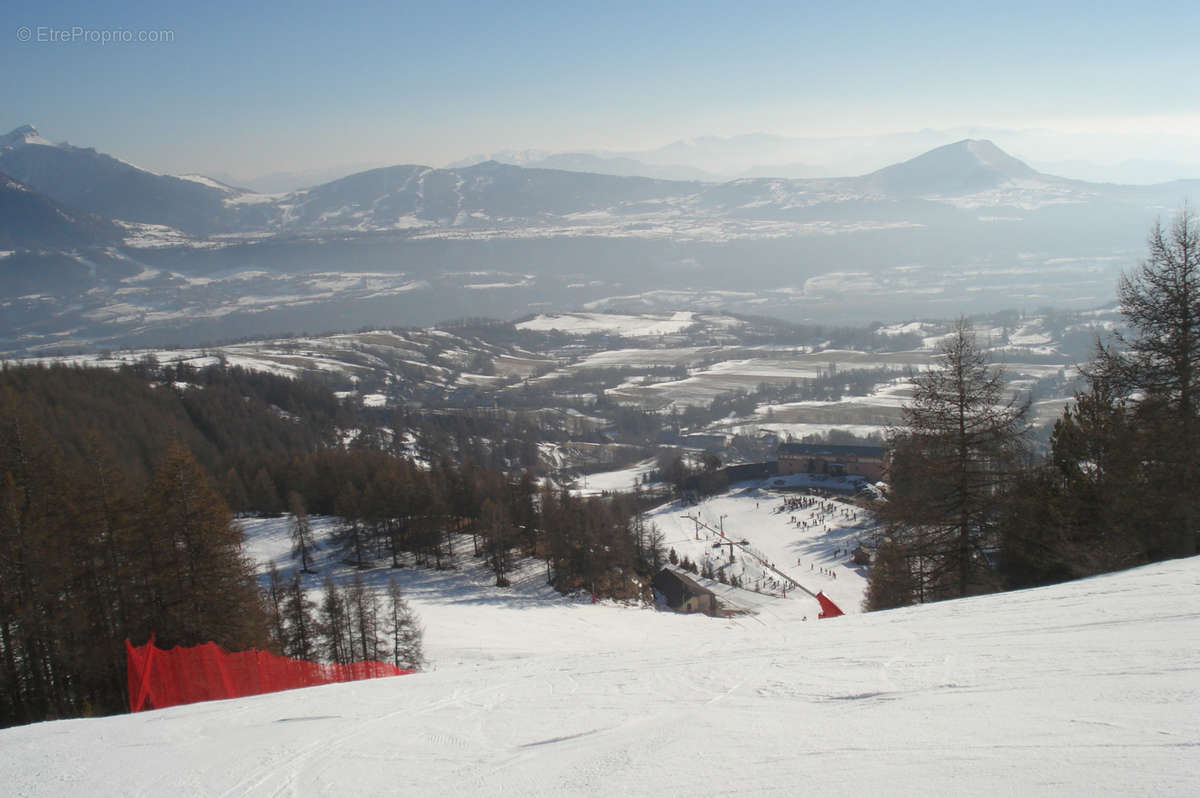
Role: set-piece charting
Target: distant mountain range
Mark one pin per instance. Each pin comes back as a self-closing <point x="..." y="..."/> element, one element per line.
<point x="498" y="197"/>
<point x="32" y="220"/>
<point x="718" y="159"/>
<point x="97" y="249"/>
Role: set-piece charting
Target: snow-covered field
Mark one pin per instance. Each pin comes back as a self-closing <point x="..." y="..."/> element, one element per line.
<point x="622" y="480"/>
<point x="639" y="326"/>
<point x="1086" y="688"/>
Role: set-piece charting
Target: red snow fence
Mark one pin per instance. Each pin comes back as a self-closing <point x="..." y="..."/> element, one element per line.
<point x="828" y="608"/>
<point x="207" y="672"/>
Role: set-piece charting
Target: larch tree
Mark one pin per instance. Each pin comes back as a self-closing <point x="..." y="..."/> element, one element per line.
<point x="1084" y="510"/>
<point x="404" y="630"/>
<point x="959" y="446"/>
<point x="1157" y="366"/>
<point x="301" y="531"/>
<point x="352" y="535"/>
<point x="333" y="624"/>
<point x="301" y="637"/>
<point x="205" y="587"/>
<point x="363" y="610"/>
<point x="498" y="538"/>
<point x="275" y="599"/>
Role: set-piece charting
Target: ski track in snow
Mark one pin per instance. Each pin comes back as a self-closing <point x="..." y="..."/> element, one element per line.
<point x="1086" y="688"/>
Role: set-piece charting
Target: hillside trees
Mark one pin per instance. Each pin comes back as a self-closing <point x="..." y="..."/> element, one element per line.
<point x="1119" y="488"/>
<point x="955" y="455"/>
<point x="112" y="524"/>
<point x="334" y="625"/>
<point x="202" y="586"/>
<point x="1160" y="302"/>
<point x="89" y="557"/>
<point x="1083" y="510"/>
<point x="364" y="622"/>
<point x="590" y="544"/>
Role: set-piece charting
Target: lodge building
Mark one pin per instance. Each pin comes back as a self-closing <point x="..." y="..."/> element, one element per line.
<point x="823" y="458"/>
<point x="684" y="594"/>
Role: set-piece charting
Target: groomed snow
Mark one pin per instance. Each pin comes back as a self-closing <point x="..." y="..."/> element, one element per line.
<point x="810" y="545"/>
<point x="1086" y="688"/>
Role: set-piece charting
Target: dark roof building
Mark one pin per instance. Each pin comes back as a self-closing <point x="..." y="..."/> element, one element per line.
<point x="827" y="458"/>
<point x="830" y="450"/>
<point x="684" y="594"/>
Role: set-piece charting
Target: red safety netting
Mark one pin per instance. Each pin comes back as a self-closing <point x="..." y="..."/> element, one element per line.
<point x="828" y="608"/>
<point x="159" y="678"/>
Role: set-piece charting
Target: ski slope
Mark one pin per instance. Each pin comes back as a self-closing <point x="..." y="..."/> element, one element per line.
<point x="1086" y="688"/>
<point x="801" y="544"/>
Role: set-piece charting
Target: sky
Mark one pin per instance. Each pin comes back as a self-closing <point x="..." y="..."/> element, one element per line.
<point x="249" y="89"/>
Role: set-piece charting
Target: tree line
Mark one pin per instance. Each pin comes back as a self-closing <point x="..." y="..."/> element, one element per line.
<point x="970" y="510"/>
<point x="349" y="624"/>
<point x="90" y="557"/>
<point x="115" y="522"/>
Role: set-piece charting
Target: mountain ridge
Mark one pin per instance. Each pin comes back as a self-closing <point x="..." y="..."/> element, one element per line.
<point x="418" y="197"/>
<point x="198" y="259"/>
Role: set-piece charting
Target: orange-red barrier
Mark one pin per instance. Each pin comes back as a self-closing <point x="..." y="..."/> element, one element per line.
<point x="828" y="608"/>
<point x="207" y="672"/>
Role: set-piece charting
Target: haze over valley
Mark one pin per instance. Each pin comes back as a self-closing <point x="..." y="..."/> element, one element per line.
<point x="637" y="398"/>
<point x="98" y="252"/>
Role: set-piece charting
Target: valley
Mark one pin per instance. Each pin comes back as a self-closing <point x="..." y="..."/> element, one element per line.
<point x="96" y="253"/>
<point x="598" y="390"/>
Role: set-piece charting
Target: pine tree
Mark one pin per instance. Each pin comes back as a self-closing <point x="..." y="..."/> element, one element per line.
<point x="959" y="448"/>
<point x="275" y="599"/>
<point x="333" y="625"/>
<point x="1084" y="511"/>
<point x="1160" y="364"/>
<point x="300" y="529"/>
<point x="363" y="611"/>
<point x="892" y="582"/>
<point x="205" y="589"/>
<point x="301" y="636"/>
<point x="498" y="538"/>
<point x="352" y="537"/>
<point x="404" y="629"/>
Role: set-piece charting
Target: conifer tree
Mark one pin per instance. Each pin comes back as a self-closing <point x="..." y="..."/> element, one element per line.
<point x="301" y="637"/>
<point x="205" y="589"/>
<point x="363" y="610"/>
<point x="275" y="601"/>
<point x="1159" y="363"/>
<point x="300" y="529"/>
<point x="351" y="536"/>
<point x="334" y="623"/>
<point x="959" y="448"/>
<point x="498" y="538"/>
<point x="404" y="629"/>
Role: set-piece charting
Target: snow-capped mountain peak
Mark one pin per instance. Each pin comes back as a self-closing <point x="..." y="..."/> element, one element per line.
<point x="963" y="167"/>
<point x="25" y="134"/>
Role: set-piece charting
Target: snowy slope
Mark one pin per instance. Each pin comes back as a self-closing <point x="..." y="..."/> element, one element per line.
<point x="1081" y="689"/>
<point x="801" y="543"/>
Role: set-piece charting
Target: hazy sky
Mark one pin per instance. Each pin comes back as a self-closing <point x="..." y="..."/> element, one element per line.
<point x="248" y="89"/>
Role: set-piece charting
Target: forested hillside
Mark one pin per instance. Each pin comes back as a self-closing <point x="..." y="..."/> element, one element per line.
<point x="116" y="517"/>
